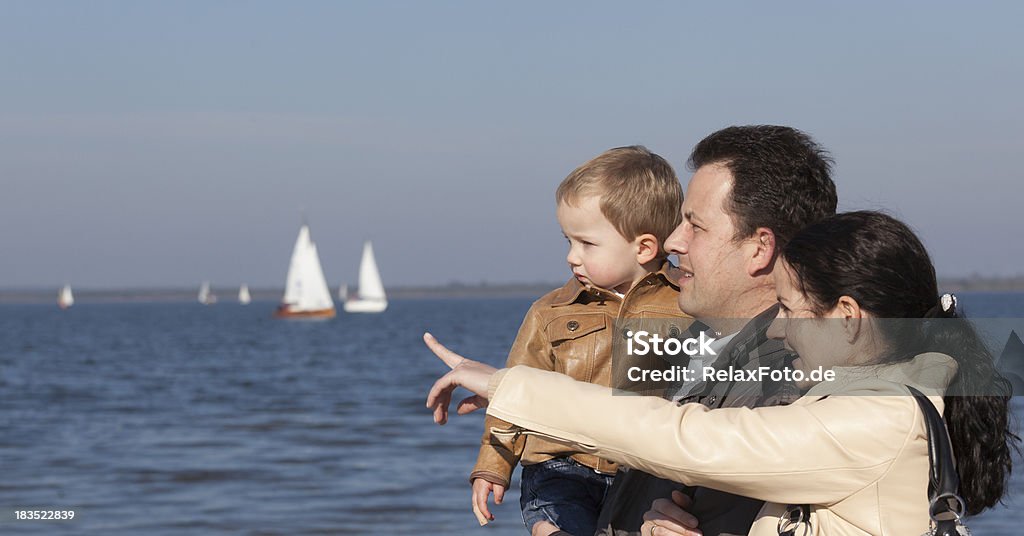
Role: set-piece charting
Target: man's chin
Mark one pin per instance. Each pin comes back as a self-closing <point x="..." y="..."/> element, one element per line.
<point x="687" y="306"/>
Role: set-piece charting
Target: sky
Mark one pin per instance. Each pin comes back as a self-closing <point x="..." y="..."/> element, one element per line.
<point x="159" y="144"/>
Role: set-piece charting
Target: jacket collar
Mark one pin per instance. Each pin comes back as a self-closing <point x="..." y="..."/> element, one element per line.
<point x="753" y="336"/>
<point x="930" y="373"/>
<point x="573" y="289"/>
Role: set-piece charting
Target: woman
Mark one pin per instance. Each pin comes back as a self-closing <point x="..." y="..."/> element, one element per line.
<point x="859" y="462"/>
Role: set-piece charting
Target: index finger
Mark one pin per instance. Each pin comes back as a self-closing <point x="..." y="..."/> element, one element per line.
<point x="449" y="357"/>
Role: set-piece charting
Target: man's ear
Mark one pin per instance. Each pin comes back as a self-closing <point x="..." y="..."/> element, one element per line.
<point x="763" y="253"/>
<point x="647" y="248"/>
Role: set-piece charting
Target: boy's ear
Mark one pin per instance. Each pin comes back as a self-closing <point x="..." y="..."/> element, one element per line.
<point x="764" y="251"/>
<point x="647" y="248"/>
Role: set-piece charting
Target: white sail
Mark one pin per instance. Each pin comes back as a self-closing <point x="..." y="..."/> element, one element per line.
<point x="206" y="296"/>
<point x="243" y="295"/>
<point x="371" y="297"/>
<point x="343" y="292"/>
<point x="370" y="285"/>
<point x="306" y="291"/>
<point x="65" y="298"/>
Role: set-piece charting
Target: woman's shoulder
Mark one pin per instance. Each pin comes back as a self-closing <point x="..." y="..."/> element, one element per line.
<point x="930" y="373"/>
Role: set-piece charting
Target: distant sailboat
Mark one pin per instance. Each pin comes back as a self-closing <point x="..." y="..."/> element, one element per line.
<point x="371" y="297"/>
<point x="305" y="294"/>
<point x="206" y="296"/>
<point x="343" y="292"/>
<point x="243" y="295"/>
<point x="65" y="298"/>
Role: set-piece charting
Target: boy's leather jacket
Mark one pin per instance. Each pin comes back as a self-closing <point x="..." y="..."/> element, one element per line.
<point x="570" y="330"/>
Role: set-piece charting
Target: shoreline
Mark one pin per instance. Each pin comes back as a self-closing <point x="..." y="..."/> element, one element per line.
<point x="29" y="296"/>
<point x="450" y="291"/>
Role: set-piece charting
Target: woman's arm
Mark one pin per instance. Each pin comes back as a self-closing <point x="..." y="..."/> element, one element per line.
<point x="809" y="452"/>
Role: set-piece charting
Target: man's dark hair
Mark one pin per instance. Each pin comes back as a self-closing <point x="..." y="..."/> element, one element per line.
<point x="781" y="177"/>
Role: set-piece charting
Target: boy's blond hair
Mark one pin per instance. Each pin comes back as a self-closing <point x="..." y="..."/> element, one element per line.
<point x="639" y="191"/>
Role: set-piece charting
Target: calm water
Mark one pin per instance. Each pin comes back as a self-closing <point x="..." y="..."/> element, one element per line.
<point x="183" y="419"/>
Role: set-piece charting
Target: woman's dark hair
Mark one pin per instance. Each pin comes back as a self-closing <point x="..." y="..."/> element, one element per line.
<point x="879" y="262"/>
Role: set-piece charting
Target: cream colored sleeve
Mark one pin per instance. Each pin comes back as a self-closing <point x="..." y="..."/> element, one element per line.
<point x="817" y="452"/>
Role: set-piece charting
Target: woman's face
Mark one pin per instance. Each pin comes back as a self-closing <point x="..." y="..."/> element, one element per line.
<point x="819" y="341"/>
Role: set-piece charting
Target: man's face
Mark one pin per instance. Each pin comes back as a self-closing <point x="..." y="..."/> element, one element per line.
<point x="714" y="265"/>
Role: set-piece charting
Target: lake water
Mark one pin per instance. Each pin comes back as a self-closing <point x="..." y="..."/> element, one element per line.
<point x="181" y="419"/>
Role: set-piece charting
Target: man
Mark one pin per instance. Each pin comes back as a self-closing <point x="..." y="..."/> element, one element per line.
<point x="753" y="188"/>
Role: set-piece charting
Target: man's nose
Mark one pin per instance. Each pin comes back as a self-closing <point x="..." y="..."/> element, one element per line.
<point x="678" y="242"/>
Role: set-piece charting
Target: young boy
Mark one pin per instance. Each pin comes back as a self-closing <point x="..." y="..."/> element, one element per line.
<point x="615" y="210"/>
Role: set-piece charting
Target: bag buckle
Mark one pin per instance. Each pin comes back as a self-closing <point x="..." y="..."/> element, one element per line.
<point x="945" y="511"/>
<point x="790" y="521"/>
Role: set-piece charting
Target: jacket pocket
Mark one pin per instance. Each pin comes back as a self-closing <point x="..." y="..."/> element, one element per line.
<point x="574" y="342"/>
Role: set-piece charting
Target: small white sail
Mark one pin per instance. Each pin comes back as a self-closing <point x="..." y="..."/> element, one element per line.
<point x="343" y="292"/>
<point x="206" y="296"/>
<point x="243" y="295"/>
<point x="65" y="298"/>
<point x="306" y="293"/>
<point x="371" y="297"/>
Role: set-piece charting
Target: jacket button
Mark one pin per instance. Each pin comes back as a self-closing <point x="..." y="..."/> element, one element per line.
<point x="572" y="325"/>
<point x="625" y="333"/>
<point x="712" y="399"/>
<point x="673" y="332"/>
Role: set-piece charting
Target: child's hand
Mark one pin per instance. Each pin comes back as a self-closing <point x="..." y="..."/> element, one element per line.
<point x="481" y="491"/>
<point x="467" y="373"/>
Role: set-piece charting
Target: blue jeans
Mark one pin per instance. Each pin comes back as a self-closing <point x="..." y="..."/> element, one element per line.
<point x="564" y="492"/>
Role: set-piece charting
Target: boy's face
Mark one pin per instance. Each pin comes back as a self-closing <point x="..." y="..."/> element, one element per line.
<point x="598" y="254"/>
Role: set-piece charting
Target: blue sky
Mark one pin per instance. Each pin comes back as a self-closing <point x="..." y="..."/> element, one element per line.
<point x="163" y="143"/>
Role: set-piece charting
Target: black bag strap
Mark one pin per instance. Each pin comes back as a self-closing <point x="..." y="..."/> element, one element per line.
<point x="943" y="478"/>
<point x="946" y="507"/>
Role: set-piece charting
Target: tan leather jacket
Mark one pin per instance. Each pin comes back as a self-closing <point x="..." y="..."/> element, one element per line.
<point x="861" y="462"/>
<point x="570" y="330"/>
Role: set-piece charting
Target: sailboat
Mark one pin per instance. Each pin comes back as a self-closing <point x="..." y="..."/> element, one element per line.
<point x="243" y="295"/>
<point x="305" y="294"/>
<point x="64" y="298"/>
<point x="371" y="297"/>
<point x="206" y="296"/>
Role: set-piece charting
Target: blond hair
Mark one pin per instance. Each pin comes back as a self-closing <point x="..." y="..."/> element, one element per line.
<point x="639" y="191"/>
